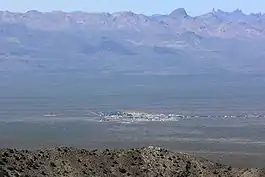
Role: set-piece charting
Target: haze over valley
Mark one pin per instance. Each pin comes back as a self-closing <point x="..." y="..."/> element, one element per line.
<point x="130" y="60"/>
<point x="59" y="69"/>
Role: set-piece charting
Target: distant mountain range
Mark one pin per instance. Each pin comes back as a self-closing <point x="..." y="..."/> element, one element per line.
<point x="129" y="43"/>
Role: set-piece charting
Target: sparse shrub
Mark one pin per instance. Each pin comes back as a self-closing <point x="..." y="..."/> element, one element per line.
<point x="52" y="164"/>
<point x="94" y="150"/>
<point x="215" y="172"/>
<point x="17" y="158"/>
<point x="10" y="168"/>
<point x="122" y="170"/>
<point x="11" y="151"/>
<point x="36" y="166"/>
<point x="115" y="162"/>
<point x="188" y="166"/>
<point x="3" y="172"/>
<point x="5" y="154"/>
<point x="229" y="168"/>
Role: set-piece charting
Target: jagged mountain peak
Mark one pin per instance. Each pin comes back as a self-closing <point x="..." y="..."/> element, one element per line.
<point x="238" y="11"/>
<point x="178" y="13"/>
<point x="124" y="14"/>
<point x="34" y="12"/>
<point x="218" y="11"/>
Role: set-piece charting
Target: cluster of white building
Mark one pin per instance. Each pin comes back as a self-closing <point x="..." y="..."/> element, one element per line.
<point x="139" y="116"/>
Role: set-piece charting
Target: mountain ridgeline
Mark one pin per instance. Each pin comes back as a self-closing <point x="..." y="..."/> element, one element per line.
<point x="129" y="43"/>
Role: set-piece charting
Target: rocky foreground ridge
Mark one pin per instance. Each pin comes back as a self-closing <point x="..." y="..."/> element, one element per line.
<point x="144" y="162"/>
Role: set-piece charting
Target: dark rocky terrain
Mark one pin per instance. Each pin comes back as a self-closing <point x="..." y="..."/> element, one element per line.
<point x="144" y="162"/>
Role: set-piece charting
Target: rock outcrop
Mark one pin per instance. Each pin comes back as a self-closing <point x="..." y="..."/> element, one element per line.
<point x="145" y="162"/>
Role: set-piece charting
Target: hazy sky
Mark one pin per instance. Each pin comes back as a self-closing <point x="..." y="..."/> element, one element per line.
<point x="193" y="7"/>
